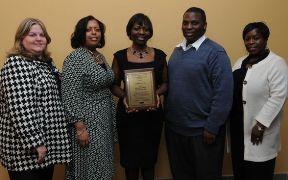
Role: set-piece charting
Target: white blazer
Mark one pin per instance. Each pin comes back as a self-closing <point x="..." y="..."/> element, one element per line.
<point x="264" y="96"/>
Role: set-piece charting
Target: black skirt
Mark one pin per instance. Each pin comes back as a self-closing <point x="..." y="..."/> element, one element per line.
<point x="139" y="136"/>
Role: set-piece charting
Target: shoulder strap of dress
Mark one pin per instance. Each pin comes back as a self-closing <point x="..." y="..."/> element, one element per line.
<point x="121" y="56"/>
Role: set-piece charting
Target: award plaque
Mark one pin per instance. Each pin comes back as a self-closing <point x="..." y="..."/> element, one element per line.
<point x="140" y="88"/>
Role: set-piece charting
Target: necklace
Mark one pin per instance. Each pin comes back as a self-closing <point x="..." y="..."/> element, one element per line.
<point x="140" y="53"/>
<point x="98" y="57"/>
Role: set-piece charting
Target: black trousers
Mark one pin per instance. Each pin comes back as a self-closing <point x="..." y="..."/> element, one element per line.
<point x="259" y="170"/>
<point x="191" y="159"/>
<point x="246" y="170"/>
<point x="38" y="174"/>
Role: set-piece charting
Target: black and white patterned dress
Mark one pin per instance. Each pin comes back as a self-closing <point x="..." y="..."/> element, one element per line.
<point x="31" y="115"/>
<point x="87" y="98"/>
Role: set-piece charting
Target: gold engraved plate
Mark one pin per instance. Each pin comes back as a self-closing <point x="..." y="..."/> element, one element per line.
<point x="140" y="88"/>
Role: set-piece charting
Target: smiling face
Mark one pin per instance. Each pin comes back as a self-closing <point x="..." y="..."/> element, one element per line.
<point x="140" y="34"/>
<point x="35" y="41"/>
<point x="93" y="34"/>
<point x="193" y="26"/>
<point x="254" y="42"/>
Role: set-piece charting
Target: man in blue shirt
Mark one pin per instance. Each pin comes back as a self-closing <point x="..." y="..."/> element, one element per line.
<point x="198" y="102"/>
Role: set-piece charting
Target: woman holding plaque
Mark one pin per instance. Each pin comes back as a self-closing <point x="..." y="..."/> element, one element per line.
<point x="89" y="104"/>
<point x="139" y="131"/>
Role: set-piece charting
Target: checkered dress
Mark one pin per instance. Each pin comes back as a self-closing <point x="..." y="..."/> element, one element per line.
<point x="87" y="98"/>
<point x="31" y="115"/>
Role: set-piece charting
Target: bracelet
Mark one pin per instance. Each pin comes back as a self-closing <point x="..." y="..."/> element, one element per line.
<point x="259" y="128"/>
<point x="79" y="133"/>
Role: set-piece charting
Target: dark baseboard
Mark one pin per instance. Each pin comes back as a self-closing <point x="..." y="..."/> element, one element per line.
<point x="281" y="176"/>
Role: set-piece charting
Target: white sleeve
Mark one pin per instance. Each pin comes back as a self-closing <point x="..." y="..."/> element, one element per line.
<point x="278" y="87"/>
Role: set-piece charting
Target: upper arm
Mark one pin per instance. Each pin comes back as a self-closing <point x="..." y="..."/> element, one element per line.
<point x="117" y="71"/>
<point x="278" y="87"/>
<point x="20" y="91"/>
<point x="72" y="89"/>
<point x="19" y="86"/>
<point x="162" y="57"/>
<point x="220" y="68"/>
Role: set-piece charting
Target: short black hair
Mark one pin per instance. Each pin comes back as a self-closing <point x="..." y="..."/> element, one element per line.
<point x="197" y="10"/>
<point x="79" y="35"/>
<point x="140" y="19"/>
<point x="261" y="27"/>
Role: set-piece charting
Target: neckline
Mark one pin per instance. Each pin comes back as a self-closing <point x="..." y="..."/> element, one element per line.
<point x="132" y="62"/>
<point x="95" y="57"/>
<point x="259" y="61"/>
<point x="37" y="59"/>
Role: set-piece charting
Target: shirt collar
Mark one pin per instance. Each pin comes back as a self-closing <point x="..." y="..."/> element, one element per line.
<point x="196" y="44"/>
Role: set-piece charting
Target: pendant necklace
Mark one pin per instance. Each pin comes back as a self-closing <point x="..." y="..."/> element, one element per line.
<point x="140" y="54"/>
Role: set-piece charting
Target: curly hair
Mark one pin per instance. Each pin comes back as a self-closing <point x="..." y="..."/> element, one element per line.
<point x="79" y="35"/>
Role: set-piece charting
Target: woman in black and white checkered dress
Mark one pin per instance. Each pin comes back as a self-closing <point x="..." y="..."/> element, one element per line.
<point x="87" y="79"/>
<point x="33" y="134"/>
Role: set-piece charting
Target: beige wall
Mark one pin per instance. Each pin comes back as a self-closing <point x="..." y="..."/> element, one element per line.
<point x="226" y="19"/>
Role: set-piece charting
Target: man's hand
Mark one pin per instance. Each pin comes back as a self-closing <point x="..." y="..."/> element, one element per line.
<point x="208" y="138"/>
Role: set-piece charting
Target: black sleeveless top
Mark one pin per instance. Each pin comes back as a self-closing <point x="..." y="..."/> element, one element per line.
<point x="159" y="63"/>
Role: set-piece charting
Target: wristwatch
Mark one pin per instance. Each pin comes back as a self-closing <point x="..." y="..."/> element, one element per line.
<point x="259" y="128"/>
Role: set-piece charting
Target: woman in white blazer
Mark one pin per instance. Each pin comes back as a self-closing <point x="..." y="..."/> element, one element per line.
<point x="260" y="91"/>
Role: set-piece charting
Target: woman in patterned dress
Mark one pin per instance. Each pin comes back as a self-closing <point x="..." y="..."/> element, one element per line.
<point x="89" y="104"/>
<point x="33" y="134"/>
<point x="139" y="131"/>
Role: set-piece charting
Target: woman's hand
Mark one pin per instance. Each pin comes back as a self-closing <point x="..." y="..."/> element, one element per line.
<point x="82" y="133"/>
<point x="128" y="110"/>
<point x="83" y="137"/>
<point x="131" y="110"/>
<point x="41" y="151"/>
<point x="257" y="133"/>
<point x="158" y="102"/>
